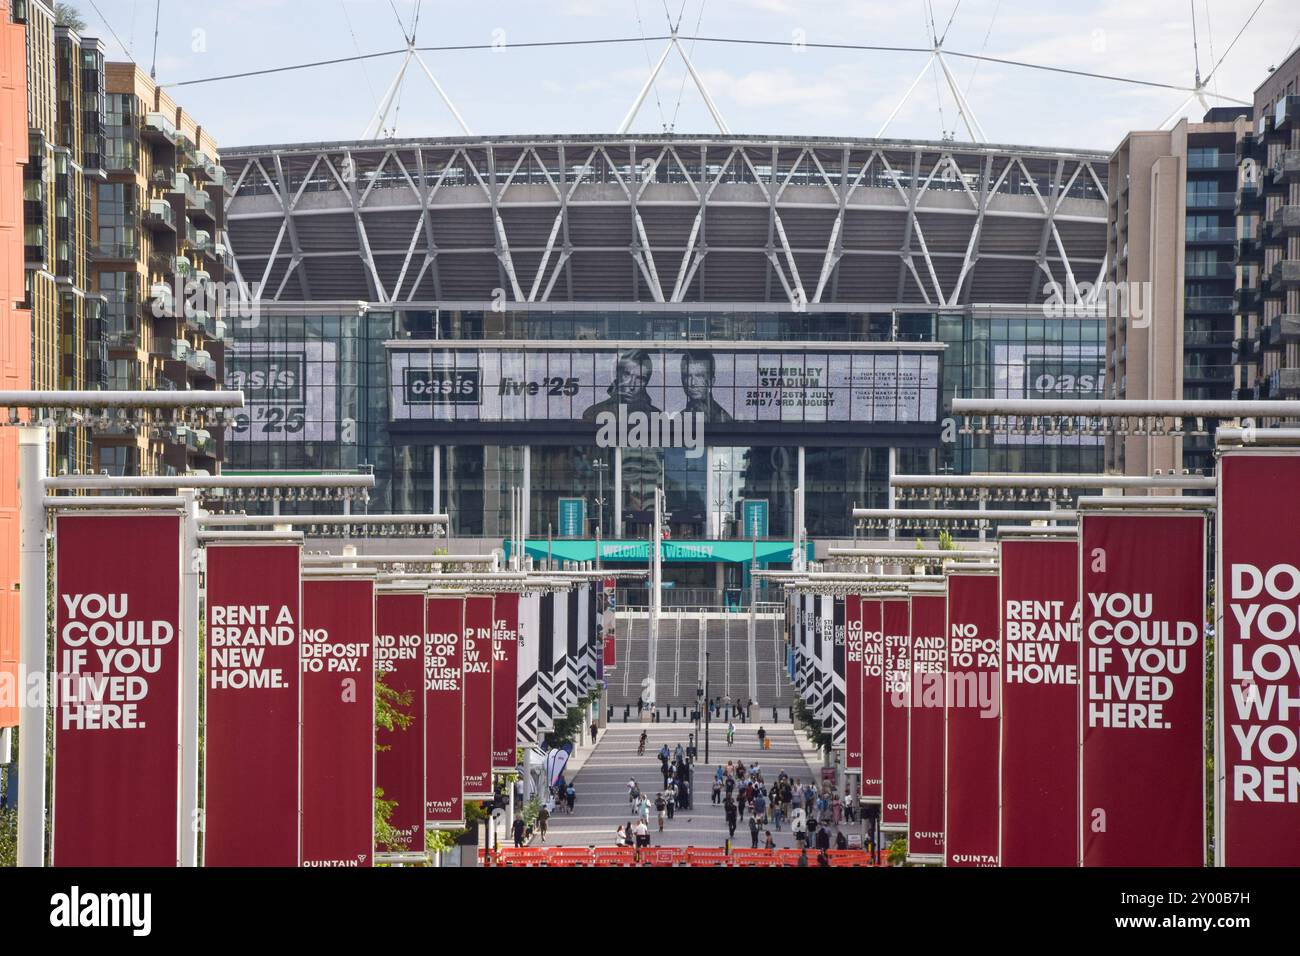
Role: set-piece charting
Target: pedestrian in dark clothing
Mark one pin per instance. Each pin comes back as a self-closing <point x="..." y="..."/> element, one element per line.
<point x="594" y="728"/>
<point x="753" y="833"/>
<point x="823" y="838"/>
<point x="841" y="841"/>
<point x="519" y="831"/>
<point x="730" y="811"/>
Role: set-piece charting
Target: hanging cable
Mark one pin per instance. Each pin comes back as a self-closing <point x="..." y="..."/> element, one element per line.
<point x="357" y="46"/>
<point x="400" y="25"/>
<point x="943" y="36"/>
<point x="153" y="63"/>
<point x="983" y="46"/>
<point x="1196" y="53"/>
<point x="1215" y="68"/>
<point x="646" y="48"/>
<point x="1209" y="36"/>
<point x="125" y="48"/>
<point x="682" y="91"/>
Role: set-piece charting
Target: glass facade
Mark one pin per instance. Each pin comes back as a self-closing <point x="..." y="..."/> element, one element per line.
<point x="317" y="392"/>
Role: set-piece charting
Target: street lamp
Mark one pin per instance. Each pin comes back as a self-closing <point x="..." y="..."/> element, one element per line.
<point x="599" y="466"/>
<point x="719" y="498"/>
<point x="708" y="713"/>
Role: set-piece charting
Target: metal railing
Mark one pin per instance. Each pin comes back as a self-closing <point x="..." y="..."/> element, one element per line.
<point x="769" y="599"/>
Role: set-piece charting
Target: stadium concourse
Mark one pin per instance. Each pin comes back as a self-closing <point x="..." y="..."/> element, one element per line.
<point x="602" y="793"/>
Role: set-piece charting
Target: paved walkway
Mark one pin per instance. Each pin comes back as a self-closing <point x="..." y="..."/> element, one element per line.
<point x="601" y="785"/>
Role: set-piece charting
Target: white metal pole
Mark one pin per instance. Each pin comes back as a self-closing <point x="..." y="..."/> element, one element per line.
<point x="640" y="97"/>
<point x="464" y="127"/>
<point x="32" y="615"/>
<point x="890" y="118"/>
<point x="190" y="821"/>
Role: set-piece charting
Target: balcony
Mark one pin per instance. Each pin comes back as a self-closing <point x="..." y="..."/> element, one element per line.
<point x="1285" y="113"/>
<point x="1286" y="219"/>
<point x="158" y="128"/>
<point x="1211" y="234"/>
<point x="1286" y="274"/>
<point x="200" y="320"/>
<point x="1211" y="200"/>
<point x="179" y="351"/>
<point x="120" y="155"/>
<point x="1207" y="373"/>
<point x="201" y="240"/>
<point x="1208" y="303"/>
<point x="159" y="215"/>
<point x="120" y="251"/>
<point x="202" y="206"/>
<point x="1247" y="251"/>
<point x="1211" y="338"/>
<point x="1208" y="270"/>
<point x="1284" y="329"/>
<point x="202" y="276"/>
<point x="201" y="362"/>
<point x="1289" y="166"/>
<point x="1249" y="147"/>
<point x="1249" y="199"/>
<point x="1212" y="162"/>
<point x="1285" y="382"/>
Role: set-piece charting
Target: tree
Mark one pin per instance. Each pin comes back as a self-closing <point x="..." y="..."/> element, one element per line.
<point x="66" y="15"/>
<point x="390" y="715"/>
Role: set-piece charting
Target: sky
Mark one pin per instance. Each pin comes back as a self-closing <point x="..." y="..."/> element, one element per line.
<point x="785" y="89"/>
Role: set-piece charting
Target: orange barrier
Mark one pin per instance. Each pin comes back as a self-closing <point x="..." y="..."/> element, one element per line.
<point x="522" y="856"/>
<point x="850" y="858"/>
<point x="571" y="856"/>
<point x="752" y="857"/>
<point x="706" y="856"/>
<point x="662" y="856"/>
<point x="613" y="856"/>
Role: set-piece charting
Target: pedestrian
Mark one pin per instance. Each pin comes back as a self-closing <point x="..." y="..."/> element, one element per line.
<point x="803" y="856"/>
<point x="762" y="736"/>
<point x="729" y="810"/>
<point x="570" y="797"/>
<point x="717" y="792"/>
<point x="642" y="834"/>
<point x="684" y="795"/>
<point x="594" y="727"/>
<point x="799" y="826"/>
<point x="823" y="838"/>
<point x="633" y="791"/>
<point x="661" y="806"/>
<point x="823" y="858"/>
<point x="753" y="833"/>
<point x="620" y="836"/>
<point x="543" y="818"/>
<point x="731" y="732"/>
<point x="768" y="842"/>
<point x="519" y="831"/>
<point x="670" y="798"/>
<point x="841" y="841"/>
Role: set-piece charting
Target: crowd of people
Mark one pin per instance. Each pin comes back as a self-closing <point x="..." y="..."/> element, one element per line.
<point x="813" y="813"/>
<point x="675" y="766"/>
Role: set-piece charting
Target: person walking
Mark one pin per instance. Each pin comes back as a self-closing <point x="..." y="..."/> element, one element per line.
<point x="753" y="832"/>
<point x="768" y="842"/>
<point x="731" y="732"/>
<point x="642" y="835"/>
<point x="594" y="728"/>
<point x="661" y="807"/>
<point x="729" y="810"/>
<point x="519" y="831"/>
<point x="762" y="736"/>
<point x="633" y="791"/>
<point x="717" y="792"/>
<point x="640" y="749"/>
<point x="570" y="797"/>
<point x="543" y="818"/>
<point x="620" y="836"/>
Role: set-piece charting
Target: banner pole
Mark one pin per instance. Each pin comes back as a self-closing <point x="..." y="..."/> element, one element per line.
<point x="33" y="716"/>
<point x="191" y="823"/>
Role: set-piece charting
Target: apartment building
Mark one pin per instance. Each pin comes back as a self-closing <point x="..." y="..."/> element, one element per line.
<point x="1171" y="241"/>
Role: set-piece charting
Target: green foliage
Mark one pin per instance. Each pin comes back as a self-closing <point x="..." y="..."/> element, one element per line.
<point x="568" y="729"/>
<point x="390" y="715"/>
<point x="812" y="726"/>
<point x="66" y="15"/>
<point x="896" y="852"/>
<point x="8" y="837"/>
<point x="529" y="813"/>
<point x="438" y="841"/>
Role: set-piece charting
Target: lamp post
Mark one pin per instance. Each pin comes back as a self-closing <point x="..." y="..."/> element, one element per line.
<point x="719" y="497"/>
<point x="599" y="466"/>
<point x="708" y="713"/>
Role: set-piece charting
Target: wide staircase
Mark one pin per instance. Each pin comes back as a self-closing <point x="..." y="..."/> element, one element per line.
<point x="684" y="639"/>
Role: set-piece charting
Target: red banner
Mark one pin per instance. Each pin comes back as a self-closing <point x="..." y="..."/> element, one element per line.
<point x="1038" y="775"/>
<point x="971" y="722"/>
<point x="117" y="690"/>
<point x="606" y="608"/>
<point x="338" y="721"/>
<point x="925" y="709"/>
<point x="873" y="685"/>
<point x="445" y="714"/>
<point x="252" y="706"/>
<point x="896" y="665"/>
<point x="1258" y="661"/>
<point x="505" y="683"/>
<point x="1142" y="665"/>
<point x="853" y="684"/>
<point x="476" y="664"/>
<point x="399" y="761"/>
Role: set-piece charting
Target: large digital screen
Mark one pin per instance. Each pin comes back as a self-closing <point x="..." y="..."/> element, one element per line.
<point x="866" y="386"/>
<point x="1048" y="372"/>
<point x="290" y="391"/>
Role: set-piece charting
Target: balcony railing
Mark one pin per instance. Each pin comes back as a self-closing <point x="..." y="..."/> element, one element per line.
<point x="158" y="125"/>
<point x="1208" y="303"/>
<point x="1211" y="200"/>
<point x="1208" y="270"/>
<point x="1208" y="373"/>
<point x="160" y="213"/>
<point x="1212" y="234"/>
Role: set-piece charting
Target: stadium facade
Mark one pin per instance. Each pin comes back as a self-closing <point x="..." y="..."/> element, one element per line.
<point x="458" y="313"/>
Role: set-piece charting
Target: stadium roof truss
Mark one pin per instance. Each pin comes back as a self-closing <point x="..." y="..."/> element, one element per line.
<point x="668" y="219"/>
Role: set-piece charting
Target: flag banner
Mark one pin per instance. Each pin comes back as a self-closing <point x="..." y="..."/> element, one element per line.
<point x="1038" y="762"/>
<point x="836" y="670"/>
<point x="117" y="618"/>
<point x="853" y="684"/>
<point x="1142" y="666"/>
<point x="606" y="607"/>
<point x="925" y="718"/>
<point x="526" y="726"/>
<point x="338" y="721"/>
<point x="873" y="687"/>
<point x="476" y="665"/>
<point x="574" y="660"/>
<point x="444" y="696"/>
<point x="896" y="663"/>
<point x="1257" y="661"/>
<point x="971" y="717"/>
<point x="505" y="683"/>
<point x="586" y="641"/>
<point x="561" y="677"/>
<point x="399" y="762"/>
<point x="545" y="662"/>
<point x="252" y="703"/>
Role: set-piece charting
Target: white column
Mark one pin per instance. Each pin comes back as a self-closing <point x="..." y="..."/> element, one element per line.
<point x="800" y="513"/>
<point x="437" y="482"/>
<point x="617" y="494"/>
<point x="893" y="467"/>
<point x="192" y="556"/>
<point x="525" y="508"/>
<point x="710" y="494"/>
<point x="35" y="681"/>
